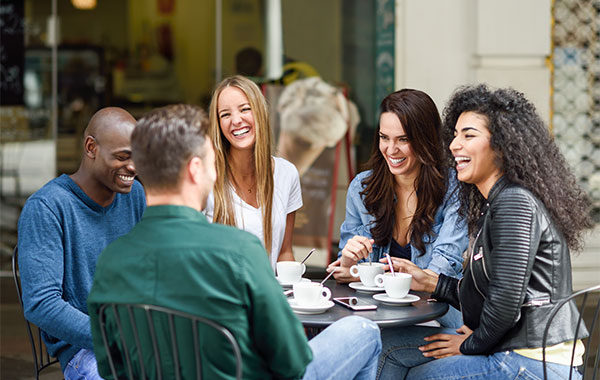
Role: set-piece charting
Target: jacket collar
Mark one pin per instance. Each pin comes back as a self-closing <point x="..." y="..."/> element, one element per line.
<point x="500" y="184"/>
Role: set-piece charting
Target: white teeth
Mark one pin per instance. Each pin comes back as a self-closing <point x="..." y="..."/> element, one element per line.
<point x="126" y="177"/>
<point x="462" y="162"/>
<point x="395" y="161"/>
<point x="241" y="131"/>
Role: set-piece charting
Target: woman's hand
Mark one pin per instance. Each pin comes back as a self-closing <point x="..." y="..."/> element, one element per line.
<point x="356" y="249"/>
<point x="342" y="274"/>
<point x="445" y="344"/>
<point x="423" y="280"/>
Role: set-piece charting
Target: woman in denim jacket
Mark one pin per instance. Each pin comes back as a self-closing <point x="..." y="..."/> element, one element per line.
<point x="406" y="204"/>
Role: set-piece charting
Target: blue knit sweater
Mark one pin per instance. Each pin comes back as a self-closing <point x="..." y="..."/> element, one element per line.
<point x="61" y="234"/>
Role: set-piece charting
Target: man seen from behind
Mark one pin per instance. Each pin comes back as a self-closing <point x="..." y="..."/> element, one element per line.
<point x="175" y="258"/>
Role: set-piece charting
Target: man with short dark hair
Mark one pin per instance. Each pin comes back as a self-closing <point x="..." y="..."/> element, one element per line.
<point x="63" y="228"/>
<point x="176" y="259"/>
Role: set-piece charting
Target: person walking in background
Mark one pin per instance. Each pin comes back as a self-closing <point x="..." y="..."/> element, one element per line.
<point x="406" y="203"/>
<point x="63" y="228"/>
<point x="254" y="191"/>
<point x="524" y="211"/>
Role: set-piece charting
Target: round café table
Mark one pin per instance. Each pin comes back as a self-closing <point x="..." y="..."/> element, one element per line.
<point x="385" y="315"/>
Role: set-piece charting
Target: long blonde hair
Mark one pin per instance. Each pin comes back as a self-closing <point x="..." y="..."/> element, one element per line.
<point x="263" y="166"/>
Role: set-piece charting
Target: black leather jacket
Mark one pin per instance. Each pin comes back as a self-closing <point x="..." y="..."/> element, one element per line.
<point x="518" y="270"/>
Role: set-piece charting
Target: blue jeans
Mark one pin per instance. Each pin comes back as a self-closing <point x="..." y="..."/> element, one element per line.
<point x="347" y="349"/>
<point x="82" y="366"/>
<point x="401" y="359"/>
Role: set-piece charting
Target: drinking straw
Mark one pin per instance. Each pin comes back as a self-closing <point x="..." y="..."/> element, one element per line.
<point x="329" y="275"/>
<point x="307" y="256"/>
<point x="389" y="260"/>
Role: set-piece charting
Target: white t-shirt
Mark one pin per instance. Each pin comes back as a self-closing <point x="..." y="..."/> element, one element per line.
<point x="287" y="198"/>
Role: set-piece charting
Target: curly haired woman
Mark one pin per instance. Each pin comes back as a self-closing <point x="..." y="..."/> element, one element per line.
<point x="406" y="204"/>
<point x="524" y="211"/>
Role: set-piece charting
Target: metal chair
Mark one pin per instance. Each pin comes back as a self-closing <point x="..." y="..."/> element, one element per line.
<point x="41" y="358"/>
<point x="592" y="346"/>
<point x="159" y="328"/>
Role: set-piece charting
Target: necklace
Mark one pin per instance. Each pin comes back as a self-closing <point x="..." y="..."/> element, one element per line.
<point x="239" y="187"/>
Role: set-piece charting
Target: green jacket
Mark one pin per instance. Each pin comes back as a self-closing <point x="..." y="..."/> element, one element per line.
<point x="175" y="258"/>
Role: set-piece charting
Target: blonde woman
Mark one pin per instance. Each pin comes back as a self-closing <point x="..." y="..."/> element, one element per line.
<point x="254" y="191"/>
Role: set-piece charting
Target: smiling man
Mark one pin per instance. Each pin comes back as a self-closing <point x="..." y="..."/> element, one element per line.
<point x="63" y="228"/>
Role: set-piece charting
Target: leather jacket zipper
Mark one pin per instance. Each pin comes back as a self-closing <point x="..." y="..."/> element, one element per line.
<point x="471" y="263"/>
<point x="483" y="265"/>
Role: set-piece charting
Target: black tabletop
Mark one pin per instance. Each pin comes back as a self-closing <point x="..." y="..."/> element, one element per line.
<point x="385" y="315"/>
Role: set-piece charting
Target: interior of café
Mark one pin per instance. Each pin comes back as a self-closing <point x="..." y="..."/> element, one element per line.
<point x="62" y="60"/>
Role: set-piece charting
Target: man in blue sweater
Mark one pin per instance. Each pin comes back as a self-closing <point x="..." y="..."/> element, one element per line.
<point x="62" y="230"/>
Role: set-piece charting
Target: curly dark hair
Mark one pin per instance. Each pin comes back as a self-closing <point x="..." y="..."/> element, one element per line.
<point x="421" y="122"/>
<point x="526" y="154"/>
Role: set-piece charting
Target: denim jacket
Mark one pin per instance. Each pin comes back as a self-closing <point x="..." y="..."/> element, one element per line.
<point x="443" y="250"/>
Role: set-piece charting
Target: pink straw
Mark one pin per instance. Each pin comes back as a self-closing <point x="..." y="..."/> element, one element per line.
<point x="389" y="259"/>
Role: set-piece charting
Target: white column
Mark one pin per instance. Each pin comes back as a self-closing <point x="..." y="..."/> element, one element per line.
<point x="274" y="40"/>
<point x="514" y="53"/>
<point x="442" y="44"/>
<point x="434" y="46"/>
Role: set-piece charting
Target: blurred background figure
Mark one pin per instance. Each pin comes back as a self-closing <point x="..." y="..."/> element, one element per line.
<point x="248" y="62"/>
<point x="314" y="115"/>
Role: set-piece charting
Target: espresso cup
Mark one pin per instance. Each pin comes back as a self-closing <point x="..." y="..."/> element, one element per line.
<point x="367" y="272"/>
<point x="396" y="285"/>
<point x="310" y="293"/>
<point x="290" y="271"/>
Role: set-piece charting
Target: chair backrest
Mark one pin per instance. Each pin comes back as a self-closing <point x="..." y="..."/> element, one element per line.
<point x="41" y="357"/>
<point x="589" y="369"/>
<point x="161" y="329"/>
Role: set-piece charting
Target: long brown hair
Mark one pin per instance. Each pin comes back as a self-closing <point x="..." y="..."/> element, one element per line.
<point x="421" y="122"/>
<point x="263" y="167"/>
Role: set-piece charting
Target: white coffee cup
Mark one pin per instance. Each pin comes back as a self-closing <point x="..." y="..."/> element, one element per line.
<point x="310" y="293"/>
<point x="396" y="285"/>
<point x="290" y="271"/>
<point x="367" y="272"/>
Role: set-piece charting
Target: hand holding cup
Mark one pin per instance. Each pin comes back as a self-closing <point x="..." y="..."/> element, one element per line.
<point x="422" y="280"/>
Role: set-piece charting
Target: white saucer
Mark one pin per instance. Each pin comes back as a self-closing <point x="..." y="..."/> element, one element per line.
<point x="360" y="287"/>
<point x="289" y="284"/>
<point x="321" y="308"/>
<point x="410" y="298"/>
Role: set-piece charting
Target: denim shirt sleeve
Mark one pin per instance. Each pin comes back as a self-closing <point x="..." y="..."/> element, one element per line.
<point x="444" y="251"/>
<point x="357" y="221"/>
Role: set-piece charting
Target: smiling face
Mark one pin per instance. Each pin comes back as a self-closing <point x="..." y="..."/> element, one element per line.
<point x="236" y="118"/>
<point x="113" y="166"/>
<point x="395" y="147"/>
<point x="475" y="158"/>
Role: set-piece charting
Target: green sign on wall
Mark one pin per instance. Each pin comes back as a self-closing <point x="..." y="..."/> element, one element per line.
<point x="384" y="52"/>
